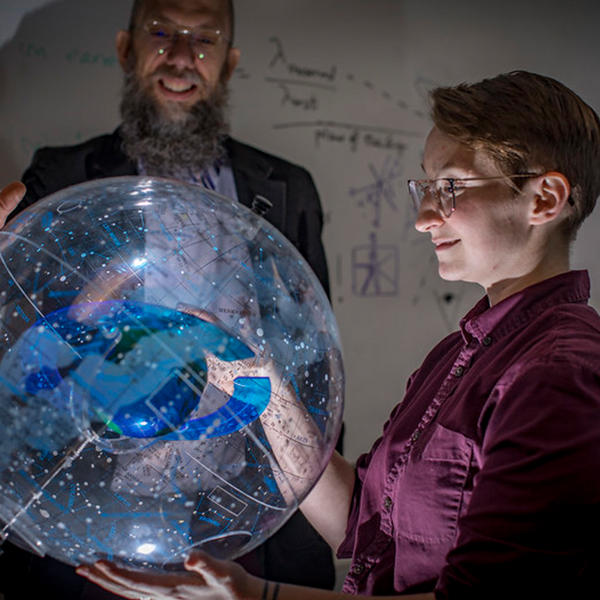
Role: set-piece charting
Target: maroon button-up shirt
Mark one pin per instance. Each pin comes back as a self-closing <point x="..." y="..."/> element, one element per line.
<point x="487" y="477"/>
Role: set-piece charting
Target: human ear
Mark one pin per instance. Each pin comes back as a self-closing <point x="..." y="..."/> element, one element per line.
<point x="123" y="43"/>
<point x="231" y="62"/>
<point x="552" y="192"/>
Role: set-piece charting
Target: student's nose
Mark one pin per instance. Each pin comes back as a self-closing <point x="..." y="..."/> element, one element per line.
<point x="181" y="52"/>
<point x="430" y="214"/>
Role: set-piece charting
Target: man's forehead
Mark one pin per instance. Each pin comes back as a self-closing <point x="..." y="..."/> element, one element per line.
<point x="187" y="9"/>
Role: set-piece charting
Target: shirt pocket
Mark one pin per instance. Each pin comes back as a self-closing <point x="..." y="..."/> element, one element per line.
<point x="430" y="489"/>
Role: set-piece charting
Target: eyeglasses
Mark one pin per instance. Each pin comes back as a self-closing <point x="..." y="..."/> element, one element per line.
<point x="444" y="191"/>
<point x="204" y="41"/>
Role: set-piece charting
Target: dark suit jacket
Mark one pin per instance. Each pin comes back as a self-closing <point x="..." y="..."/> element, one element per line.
<point x="295" y="206"/>
<point x="296" y="553"/>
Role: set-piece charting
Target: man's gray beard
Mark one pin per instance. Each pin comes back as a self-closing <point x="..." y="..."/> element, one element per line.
<point x="172" y="148"/>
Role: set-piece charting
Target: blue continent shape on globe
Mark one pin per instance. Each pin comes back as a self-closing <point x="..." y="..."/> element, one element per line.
<point x="164" y="349"/>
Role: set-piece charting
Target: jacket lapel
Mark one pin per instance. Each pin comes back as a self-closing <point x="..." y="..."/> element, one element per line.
<point x="109" y="160"/>
<point x="255" y="186"/>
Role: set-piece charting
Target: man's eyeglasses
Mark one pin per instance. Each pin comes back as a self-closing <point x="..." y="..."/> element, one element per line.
<point x="444" y="191"/>
<point x="203" y="41"/>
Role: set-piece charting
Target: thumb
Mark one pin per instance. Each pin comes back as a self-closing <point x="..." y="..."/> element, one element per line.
<point x="224" y="576"/>
<point x="201" y="563"/>
<point x="10" y="196"/>
<point x="197" y="561"/>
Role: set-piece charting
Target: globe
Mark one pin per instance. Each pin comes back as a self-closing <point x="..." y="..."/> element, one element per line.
<point x="170" y="375"/>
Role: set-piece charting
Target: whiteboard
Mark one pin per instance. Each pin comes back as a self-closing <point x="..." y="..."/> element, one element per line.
<point x="338" y="86"/>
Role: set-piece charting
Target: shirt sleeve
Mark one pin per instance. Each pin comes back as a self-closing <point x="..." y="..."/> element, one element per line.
<point x="533" y="522"/>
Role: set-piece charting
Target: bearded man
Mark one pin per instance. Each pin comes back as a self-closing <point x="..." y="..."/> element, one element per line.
<point x="178" y="58"/>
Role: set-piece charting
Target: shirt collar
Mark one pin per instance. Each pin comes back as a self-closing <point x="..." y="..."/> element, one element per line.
<point x="522" y="307"/>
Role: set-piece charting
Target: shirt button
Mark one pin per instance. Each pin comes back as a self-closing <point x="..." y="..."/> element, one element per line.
<point x="415" y="436"/>
<point x="387" y="503"/>
<point x="358" y="569"/>
<point x="458" y="371"/>
<point x="487" y="340"/>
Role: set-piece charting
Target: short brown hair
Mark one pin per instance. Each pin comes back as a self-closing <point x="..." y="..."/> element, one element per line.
<point x="526" y="121"/>
<point x="137" y="8"/>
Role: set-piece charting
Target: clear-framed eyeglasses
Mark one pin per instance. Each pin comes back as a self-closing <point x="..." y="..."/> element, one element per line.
<point x="444" y="191"/>
<point x="204" y="41"/>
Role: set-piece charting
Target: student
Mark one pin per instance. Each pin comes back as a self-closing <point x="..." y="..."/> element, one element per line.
<point x="485" y="481"/>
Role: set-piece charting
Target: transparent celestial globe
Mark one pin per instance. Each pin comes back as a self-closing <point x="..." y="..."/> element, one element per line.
<point x="170" y="375"/>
